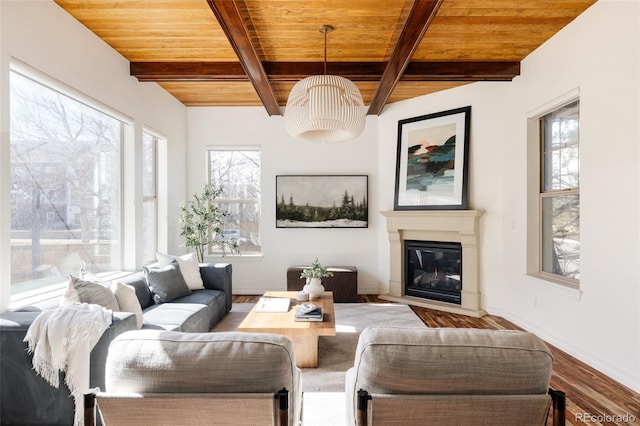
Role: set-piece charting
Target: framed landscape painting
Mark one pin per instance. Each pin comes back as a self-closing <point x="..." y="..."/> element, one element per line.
<point x="431" y="162"/>
<point x="322" y="201"/>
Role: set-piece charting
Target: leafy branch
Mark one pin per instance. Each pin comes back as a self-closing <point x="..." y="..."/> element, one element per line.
<point x="201" y="221"/>
<point x="316" y="270"/>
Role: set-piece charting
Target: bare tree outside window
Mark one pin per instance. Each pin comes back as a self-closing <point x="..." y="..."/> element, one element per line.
<point x="65" y="186"/>
<point x="237" y="172"/>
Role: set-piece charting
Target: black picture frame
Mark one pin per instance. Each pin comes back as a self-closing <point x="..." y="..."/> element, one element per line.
<point x="322" y="201"/>
<point x="431" y="163"/>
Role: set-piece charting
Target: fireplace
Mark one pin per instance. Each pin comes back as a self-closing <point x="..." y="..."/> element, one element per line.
<point x="433" y="270"/>
<point x="447" y="227"/>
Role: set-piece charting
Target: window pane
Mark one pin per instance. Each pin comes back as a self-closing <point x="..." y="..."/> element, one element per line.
<point x="237" y="172"/>
<point x="65" y="186"/>
<point x="148" y="165"/>
<point x="241" y="227"/>
<point x="149" y="193"/>
<point x="149" y="229"/>
<point x="561" y="235"/>
<point x="561" y="154"/>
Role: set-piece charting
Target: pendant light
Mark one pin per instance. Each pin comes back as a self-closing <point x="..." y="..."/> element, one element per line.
<point x="325" y="108"/>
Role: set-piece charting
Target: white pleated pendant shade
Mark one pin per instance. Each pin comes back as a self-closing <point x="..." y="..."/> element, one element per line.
<point x="325" y="108"/>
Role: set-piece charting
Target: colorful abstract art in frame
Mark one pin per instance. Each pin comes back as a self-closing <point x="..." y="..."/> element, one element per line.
<point x="432" y="161"/>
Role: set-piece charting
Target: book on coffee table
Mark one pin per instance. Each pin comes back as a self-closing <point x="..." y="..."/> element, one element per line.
<point x="315" y="315"/>
<point x="273" y="304"/>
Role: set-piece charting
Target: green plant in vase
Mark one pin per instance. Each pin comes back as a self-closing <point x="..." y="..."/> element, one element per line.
<point x="314" y="275"/>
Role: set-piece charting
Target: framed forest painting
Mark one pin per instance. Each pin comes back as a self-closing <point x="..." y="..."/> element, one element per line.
<point x="322" y="201"/>
<point x="431" y="162"/>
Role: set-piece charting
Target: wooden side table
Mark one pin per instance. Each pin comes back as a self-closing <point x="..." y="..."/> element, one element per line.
<point x="343" y="283"/>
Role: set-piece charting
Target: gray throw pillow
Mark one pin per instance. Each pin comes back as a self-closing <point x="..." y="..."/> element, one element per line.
<point x="83" y="291"/>
<point x="166" y="283"/>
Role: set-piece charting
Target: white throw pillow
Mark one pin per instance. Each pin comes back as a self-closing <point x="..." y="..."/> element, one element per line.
<point x="189" y="266"/>
<point x="127" y="300"/>
<point x="70" y="295"/>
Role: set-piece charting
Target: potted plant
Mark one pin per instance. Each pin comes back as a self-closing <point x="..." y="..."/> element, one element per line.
<point x="314" y="275"/>
<point x="201" y="220"/>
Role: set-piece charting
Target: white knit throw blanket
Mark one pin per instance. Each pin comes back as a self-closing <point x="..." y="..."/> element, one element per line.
<point x="61" y="340"/>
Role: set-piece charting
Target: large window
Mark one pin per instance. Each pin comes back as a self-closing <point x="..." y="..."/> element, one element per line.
<point x="237" y="172"/>
<point x="65" y="186"/>
<point x="149" y="196"/>
<point x="560" y="194"/>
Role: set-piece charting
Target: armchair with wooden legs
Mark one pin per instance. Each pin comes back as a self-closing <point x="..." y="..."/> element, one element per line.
<point x="169" y="378"/>
<point x="451" y="376"/>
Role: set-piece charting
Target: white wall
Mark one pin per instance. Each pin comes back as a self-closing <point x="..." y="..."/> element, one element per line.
<point x="282" y="155"/>
<point x="599" y="54"/>
<point x="42" y="35"/>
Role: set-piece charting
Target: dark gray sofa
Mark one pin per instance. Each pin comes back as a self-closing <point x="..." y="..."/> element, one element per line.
<point x="197" y="312"/>
<point x="27" y="399"/>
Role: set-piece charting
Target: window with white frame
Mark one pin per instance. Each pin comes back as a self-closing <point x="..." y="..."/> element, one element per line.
<point x="559" y="197"/>
<point x="65" y="158"/>
<point x="149" y="196"/>
<point x="237" y="172"/>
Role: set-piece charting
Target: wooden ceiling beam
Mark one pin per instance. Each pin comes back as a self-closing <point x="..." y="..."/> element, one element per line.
<point x="420" y="17"/>
<point x="461" y="71"/>
<point x="355" y="71"/>
<point x="228" y="15"/>
<point x="188" y="71"/>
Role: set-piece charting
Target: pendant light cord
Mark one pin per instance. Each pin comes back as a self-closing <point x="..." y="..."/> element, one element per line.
<point x="325" y="29"/>
<point x="325" y="52"/>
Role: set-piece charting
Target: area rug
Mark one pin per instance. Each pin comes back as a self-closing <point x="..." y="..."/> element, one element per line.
<point x="336" y="353"/>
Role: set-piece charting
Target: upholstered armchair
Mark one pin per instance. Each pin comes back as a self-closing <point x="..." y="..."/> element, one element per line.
<point x="168" y="378"/>
<point x="450" y="376"/>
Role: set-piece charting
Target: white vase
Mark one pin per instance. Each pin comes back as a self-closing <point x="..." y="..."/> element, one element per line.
<point x="314" y="287"/>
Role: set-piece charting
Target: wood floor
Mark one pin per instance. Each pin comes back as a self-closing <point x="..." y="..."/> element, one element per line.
<point x="592" y="398"/>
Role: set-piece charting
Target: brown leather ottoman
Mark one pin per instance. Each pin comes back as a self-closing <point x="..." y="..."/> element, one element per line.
<point x="343" y="283"/>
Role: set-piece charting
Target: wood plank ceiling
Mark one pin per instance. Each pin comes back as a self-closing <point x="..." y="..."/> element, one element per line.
<point x="252" y="52"/>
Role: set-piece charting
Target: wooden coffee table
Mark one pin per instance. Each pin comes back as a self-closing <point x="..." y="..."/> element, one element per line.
<point x="303" y="334"/>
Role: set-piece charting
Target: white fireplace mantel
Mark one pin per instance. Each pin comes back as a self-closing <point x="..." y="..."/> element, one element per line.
<point x="461" y="226"/>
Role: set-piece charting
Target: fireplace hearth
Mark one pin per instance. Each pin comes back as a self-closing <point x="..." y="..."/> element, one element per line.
<point x="433" y="270"/>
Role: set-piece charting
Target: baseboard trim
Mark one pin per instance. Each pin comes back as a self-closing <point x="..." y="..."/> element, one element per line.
<point x="624" y="377"/>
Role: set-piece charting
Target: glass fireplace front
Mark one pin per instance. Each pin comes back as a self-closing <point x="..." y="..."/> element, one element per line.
<point x="433" y="270"/>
